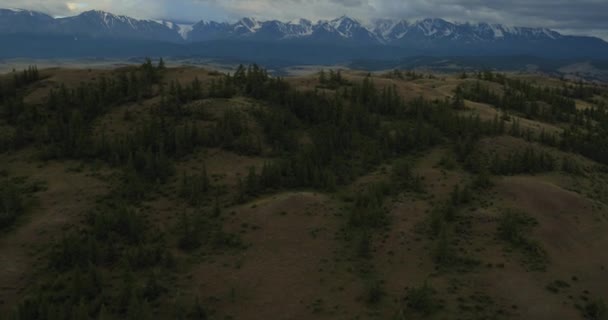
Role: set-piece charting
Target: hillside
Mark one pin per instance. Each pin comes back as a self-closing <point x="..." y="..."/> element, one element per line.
<point x="148" y="192"/>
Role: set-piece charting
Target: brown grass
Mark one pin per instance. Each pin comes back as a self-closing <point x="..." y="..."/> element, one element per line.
<point x="287" y="267"/>
<point x="68" y="195"/>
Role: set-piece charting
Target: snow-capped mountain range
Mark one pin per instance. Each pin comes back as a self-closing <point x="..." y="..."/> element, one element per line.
<point x="96" y="33"/>
<point x="384" y="31"/>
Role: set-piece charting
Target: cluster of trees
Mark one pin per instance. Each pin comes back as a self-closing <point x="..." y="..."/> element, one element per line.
<point x="348" y="135"/>
<point x="367" y="217"/>
<point x="529" y="160"/>
<point x="407" y="75"/>
<point x="576" y="90"/>
<point x="580" y="90"/>
<point x="233" y="132"/>
<point x="168" y="133"/>
<point x="587" y="133"/>
<point x="590" y="142"/>
<point x="114" y="239"/>
<point x="532" y="101"/>
<point x="10" y="86"/>
<point x="442" y="224"/>
<point x="12" y="106"/>
<point x="172" y="101"/>
<point x="252" y="81"/>
<point x="63" y="122"/>
<point x="332" y="79"/>
<point x="194" y="188"/>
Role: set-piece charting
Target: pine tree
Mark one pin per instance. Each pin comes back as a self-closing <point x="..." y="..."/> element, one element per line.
<point x="103" y="313"/>
<point x="458" y="100"/>
<point x="322" y="77"/>
<point x="80" y="312"/>
<point x="252" y="181"/>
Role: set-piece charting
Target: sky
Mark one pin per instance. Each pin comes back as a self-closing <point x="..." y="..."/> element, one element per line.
<point x="583" y="17"/>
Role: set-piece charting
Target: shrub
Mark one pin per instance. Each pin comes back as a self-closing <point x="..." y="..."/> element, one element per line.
<point x="596" y="310"/>
<point x="421" y="299"/>
<point x="375" y="292"/>
<point x="11" y="204"/>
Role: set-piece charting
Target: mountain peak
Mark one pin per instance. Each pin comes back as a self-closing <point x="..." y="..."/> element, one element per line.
<point x="22" y="12"/>
<point x="95" y="12"/>
<point x="300" y="21"/>
<point x="252" y="24"/>
<point x="344" y="19"/>
<point x="108" y="16"/>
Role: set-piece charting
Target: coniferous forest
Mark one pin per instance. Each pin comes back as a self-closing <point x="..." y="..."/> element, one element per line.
<point x="149" y="192"/>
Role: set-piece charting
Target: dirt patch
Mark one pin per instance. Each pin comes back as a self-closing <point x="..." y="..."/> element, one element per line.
<point x="575" y="240"/>
<point x="287" y="269"/>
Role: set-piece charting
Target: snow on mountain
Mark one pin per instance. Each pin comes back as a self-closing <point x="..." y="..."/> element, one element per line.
<point x="383" y="31"/>
<point x="344" y="29"/>
<point x="439" y="29"/>
<point x="435" y="28"/>
<point x="104" y="24"/>
<point x="298" y="28"/>
<point x="168" y="24"/>
<point x="247" y="25"/>
<point x="19" y="20"/>
<point x="382" y="27"/>
<point x="184" y="30"/>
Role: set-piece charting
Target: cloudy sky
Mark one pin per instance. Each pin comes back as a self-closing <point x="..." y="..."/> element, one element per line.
<point x="587" y="17"/>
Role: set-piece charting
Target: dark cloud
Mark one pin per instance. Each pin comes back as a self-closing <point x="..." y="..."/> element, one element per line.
<point x="570" y="16"/>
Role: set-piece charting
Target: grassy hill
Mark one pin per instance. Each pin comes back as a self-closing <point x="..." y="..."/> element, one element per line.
<point x="181" y="193"/>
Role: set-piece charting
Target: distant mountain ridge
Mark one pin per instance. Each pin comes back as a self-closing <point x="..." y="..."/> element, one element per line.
<point x="384" y="31"/>
<point x="91" y="23"/>
<point x="429" y="36"/>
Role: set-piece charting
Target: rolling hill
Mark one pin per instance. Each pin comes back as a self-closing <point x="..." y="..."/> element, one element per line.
<point x="148" y="192"/>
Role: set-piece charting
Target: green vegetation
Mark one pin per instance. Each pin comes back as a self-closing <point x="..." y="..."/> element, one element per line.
<point x="421" y="299"/>
<point x="11" y="203"/>
<point x="332" y="80"/>
<point x="557" y="285"/>
<point x="194" y="188"/>
<point x="444" y="225"/>
<point x="587" y="133"/>
<point x="527" y="161"/>
<point x="596" y="310"/>
<point x="513" y="228"/>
